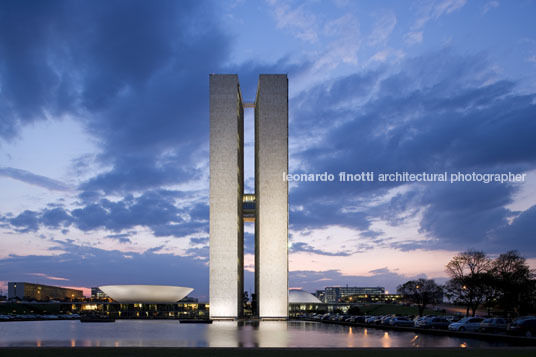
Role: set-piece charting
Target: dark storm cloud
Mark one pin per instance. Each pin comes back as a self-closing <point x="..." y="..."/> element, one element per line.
<point x="33" y="179"/>
<point x="134" y="72"/>
<point x="200" y="211"/>
<point x="202" y="241"/>
<point x="325" y="213"/>
<point x="520" y="234"/>
<point x="465" y="213"/>
<point x="155" y="210"/>
<point x="154" y="249"/>
<point x="201" y="253"/>
<point x="55" y="217"/>
<point x="27" y="221"/>
<point x="304" y="247"/>
<point x="152" y="209"/>
<point x="85" y="266"/>
<point x="438" y="112"/>
<point x="121" y="237"/>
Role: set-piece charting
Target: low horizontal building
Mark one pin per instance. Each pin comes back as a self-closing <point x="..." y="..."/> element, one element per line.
<point x="140" y="311"/>
<point x="373" y="298"/>
<point x="40" y="292"/>
<point x="334" y="294"/>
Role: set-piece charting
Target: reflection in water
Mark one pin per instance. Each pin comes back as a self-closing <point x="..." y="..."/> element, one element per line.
<point x="273" y="334"/>
<point x="222" y="334"/>
<point x="170" y="333"/>
<point x="386" y="340"/>
<point x="365" y="340"/>
<point x="350" y="339"/>
<point x="247" y="334"/>
<point x="415" y="341"/>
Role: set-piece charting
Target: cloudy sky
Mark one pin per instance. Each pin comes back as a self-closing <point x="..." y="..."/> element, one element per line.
<point x="104" y="134"/>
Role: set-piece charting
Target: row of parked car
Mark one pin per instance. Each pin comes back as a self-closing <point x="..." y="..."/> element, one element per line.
<point x="524" y="326"/>
<point x="38" y="317"/>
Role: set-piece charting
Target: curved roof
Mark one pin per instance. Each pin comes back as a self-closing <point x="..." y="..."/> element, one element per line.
<point x="300" y="296"/>
<point x="146" y="294"/>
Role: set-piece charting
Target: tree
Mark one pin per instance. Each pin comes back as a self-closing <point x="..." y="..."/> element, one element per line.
<point x="514" y="281"/>
<point x="469" y="279"/>
<point x="421" y="292"/>
<point x="354" y="310"/>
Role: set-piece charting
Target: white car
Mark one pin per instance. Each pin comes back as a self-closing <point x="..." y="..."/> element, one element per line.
<point x="401" y="321"/>
<point x="466" y="324"/>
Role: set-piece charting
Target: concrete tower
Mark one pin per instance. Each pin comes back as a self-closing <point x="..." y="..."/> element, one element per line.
<point x="226" y="191"/>
<point x="229" y="206"/>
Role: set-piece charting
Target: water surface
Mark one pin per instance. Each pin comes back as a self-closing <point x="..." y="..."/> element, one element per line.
<point x="170" y="333"/>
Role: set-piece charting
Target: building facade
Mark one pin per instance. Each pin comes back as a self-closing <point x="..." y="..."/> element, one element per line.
<point x="97" y="293"/>
<point x="226" y="191"/>
<point x="230" y="206"/>
<point x="39" y="292"/>
<point x="333" y="294"/>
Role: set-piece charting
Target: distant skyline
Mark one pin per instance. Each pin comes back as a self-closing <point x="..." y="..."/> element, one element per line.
<point x="104" y="135"/>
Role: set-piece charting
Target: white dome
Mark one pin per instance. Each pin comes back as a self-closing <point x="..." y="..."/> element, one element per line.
<point x="145" y="294"/>
<point x="299" y="296"/>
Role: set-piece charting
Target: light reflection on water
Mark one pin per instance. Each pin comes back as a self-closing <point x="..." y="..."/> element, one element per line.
<point x="170" y="333"/>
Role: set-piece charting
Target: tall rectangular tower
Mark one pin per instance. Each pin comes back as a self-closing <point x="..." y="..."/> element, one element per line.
<point x="268" y="206"/>
<point x="271" y="191"/>
<point x="226" y="190"/>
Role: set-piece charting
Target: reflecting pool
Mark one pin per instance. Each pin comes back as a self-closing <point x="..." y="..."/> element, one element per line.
<point x="170" y="333"/>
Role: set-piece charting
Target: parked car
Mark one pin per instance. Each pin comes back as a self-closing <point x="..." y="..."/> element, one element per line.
<point x="334" y="317"/>
<point x="466" y="324"/>
<point x="417" y="320"/>
<point x="342" y="317"/>
<point x="386" y="320"/>
<point x="370" y="319"/>
<point x="435" y="322"/>
<point x="454" y="318"/>
<point x="50" y="317"/>
<point x="493" y="325"/>
<point x="524" y="326"/>
<point x="359" y="319"/>
<point x="401" y="321"/>
<point x="377" y="320"/>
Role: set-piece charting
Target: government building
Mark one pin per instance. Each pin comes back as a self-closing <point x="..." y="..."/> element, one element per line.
<point x="40" y="292"/>
<point x="230" y="206"/>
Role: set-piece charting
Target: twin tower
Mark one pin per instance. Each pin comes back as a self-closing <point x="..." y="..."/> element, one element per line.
<point x="230" y="206"/>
